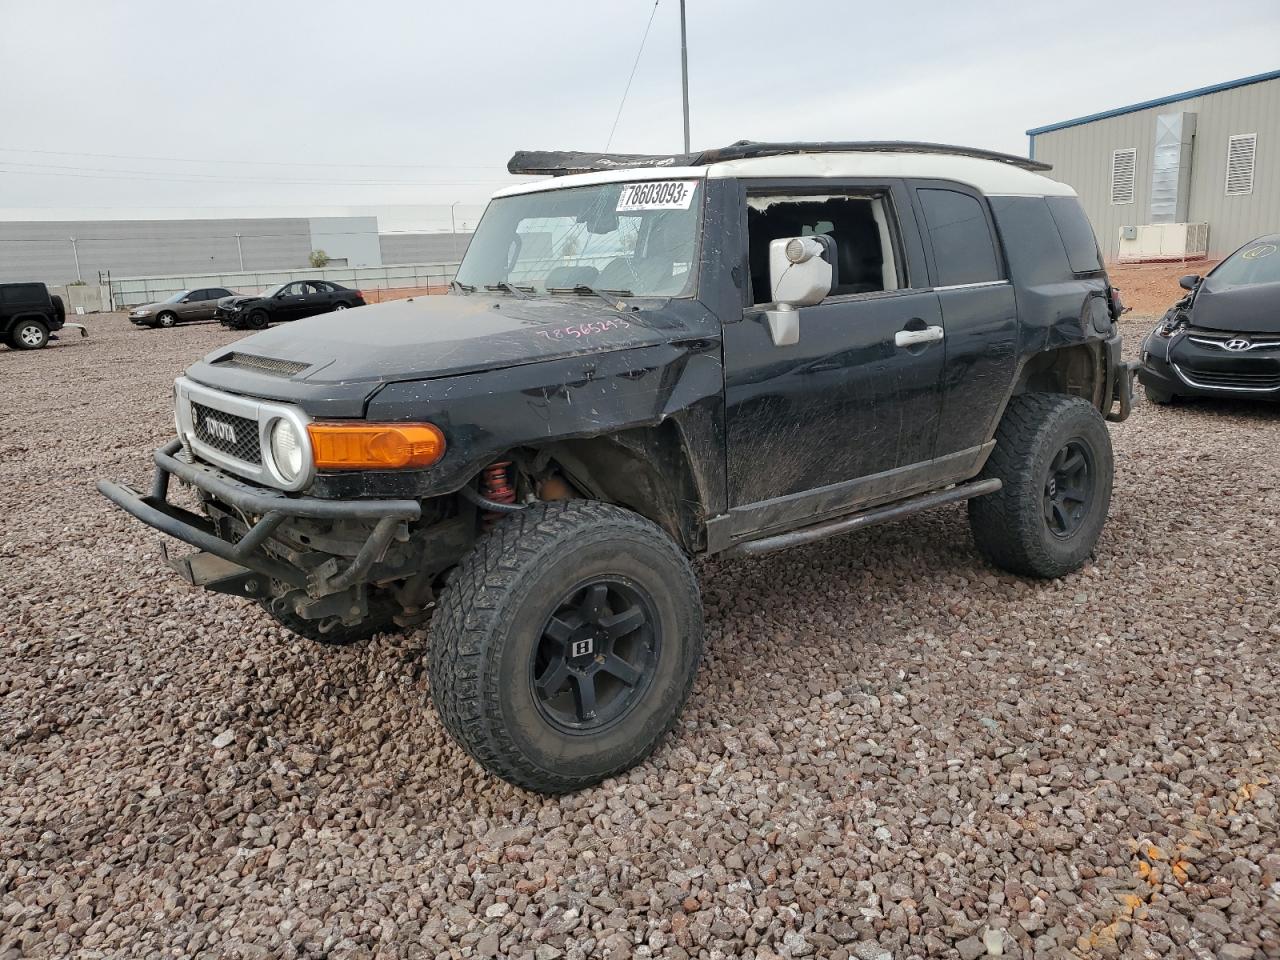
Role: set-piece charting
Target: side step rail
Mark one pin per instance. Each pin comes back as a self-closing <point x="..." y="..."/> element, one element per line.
<point x="868" y="518"/>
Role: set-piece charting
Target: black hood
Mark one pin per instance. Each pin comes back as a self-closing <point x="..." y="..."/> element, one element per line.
<point x="1250" y="309"/>
<point x="342" y="358"/>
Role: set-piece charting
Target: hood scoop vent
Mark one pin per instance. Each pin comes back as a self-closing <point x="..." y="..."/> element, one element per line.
<point x="248" y="361"/>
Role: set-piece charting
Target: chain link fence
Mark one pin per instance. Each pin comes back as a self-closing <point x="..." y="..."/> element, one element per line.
<point x="378" y="283"/>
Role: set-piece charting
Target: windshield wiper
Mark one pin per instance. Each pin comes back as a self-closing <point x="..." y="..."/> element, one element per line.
<point x="511" y="288"/>
<point x="462" y="287"/>
<point x="585" y="289"/>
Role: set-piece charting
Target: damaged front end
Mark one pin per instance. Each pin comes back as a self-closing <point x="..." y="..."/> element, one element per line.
<point x="329" y="561"/>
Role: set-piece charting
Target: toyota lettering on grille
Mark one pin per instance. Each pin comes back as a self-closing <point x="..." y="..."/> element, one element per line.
<point x="218" y="430"/>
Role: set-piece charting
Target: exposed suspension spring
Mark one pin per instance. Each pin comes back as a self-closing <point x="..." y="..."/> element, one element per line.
<point x="495" y="485"/>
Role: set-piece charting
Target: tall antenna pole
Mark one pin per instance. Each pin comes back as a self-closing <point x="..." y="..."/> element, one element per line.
<point x="684" y="75"/>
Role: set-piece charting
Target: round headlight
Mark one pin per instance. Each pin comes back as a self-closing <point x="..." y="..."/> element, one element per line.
<point x="286" y="450"/>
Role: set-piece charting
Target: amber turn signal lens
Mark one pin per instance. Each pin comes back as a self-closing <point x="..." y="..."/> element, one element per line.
<point x="375" y="446"/>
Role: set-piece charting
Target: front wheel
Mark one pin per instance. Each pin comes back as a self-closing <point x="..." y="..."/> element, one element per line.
<point x="166" y="319"/>
<point x="1053" y="457"/>
<point x="257" y="320"/>
<point x="565" y="644"/>
<point x="1156" y="395"/>
<point x="29" y="335"/>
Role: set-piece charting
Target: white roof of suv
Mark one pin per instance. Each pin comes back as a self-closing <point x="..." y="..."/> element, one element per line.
<point x="990" y="173"/>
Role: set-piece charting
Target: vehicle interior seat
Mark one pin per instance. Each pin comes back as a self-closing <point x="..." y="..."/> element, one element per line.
<point x="850" y="222"/>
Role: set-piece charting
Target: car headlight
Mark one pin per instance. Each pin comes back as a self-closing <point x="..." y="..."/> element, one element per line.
<point x="287" y="450"/>
<point x="141" y="313"/>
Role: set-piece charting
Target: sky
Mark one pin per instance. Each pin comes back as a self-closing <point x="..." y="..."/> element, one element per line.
<point x="411" y="108"/>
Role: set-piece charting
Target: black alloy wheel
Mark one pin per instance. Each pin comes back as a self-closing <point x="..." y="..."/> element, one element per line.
<point x="565" y="644"/>
<point x="1068" y="489"/>
<point x="1055" y="465"/>
<point x="596" y="656"/>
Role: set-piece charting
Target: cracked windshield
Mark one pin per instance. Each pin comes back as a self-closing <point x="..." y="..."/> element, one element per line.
<point x="624" y="239"/>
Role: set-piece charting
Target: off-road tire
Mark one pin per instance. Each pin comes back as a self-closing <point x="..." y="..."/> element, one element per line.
<point x="257" y="320"/>
<point x="489" y="620"/>
<point x="29" y="335"/>
<point x="59" y="308"/>
<point x="166" y="319"/>
<point x="336" y="636"/>
<point x="1009" y="526"/>
<point x="1156" y="395"/>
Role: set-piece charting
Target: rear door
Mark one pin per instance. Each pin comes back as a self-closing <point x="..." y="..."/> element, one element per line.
<point x="314" y="299"/>
<point x="326" y="294"/>
<point x="978" y="311"/>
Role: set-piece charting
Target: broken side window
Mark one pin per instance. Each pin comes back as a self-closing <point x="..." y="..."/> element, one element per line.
<point x="857" y="222"/>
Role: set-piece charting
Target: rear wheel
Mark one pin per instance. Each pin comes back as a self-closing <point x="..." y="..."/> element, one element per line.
<point x="1053" y="457"/>
<point x="565" y="644"/>
<point x="339" y="306"/>
<point x="29" y="335"/>
<point x="167" y="319"/>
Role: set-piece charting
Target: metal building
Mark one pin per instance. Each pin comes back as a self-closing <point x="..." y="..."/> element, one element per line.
<point x="62" y="251"/>
<point x="1189" y="175"/>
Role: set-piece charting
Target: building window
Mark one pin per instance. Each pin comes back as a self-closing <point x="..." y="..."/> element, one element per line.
<point x="1123" y="164"/>
<point x="1240" y="153"/>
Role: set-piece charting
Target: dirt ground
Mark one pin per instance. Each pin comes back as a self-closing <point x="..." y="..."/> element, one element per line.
<point x="1152" y="288"/>
<point x="892" y="750"/>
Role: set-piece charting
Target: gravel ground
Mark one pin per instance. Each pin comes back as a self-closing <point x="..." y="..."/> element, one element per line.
<point x="892" y="749"/>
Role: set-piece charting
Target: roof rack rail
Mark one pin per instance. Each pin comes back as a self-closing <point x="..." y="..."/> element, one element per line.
<point x="558" y="163"/>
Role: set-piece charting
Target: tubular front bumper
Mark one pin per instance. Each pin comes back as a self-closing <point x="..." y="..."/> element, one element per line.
<point x="271" y="508"/>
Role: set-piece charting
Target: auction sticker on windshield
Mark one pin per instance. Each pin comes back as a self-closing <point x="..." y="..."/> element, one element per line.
<point x="657" y="195"/>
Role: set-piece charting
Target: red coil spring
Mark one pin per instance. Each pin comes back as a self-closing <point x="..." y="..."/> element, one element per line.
<point x="495" y="483"/>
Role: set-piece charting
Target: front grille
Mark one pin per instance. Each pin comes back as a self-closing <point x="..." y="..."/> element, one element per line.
<point x="1215" y="338"/>
<point x="227" y="433"/>
<point x="248" y="361"/>
<point x="1232" y="380"/>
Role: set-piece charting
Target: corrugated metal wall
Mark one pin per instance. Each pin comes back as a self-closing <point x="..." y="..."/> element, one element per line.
<point x="42" y="250"/>
<point x="1081" y="156"/>
<point x="423" y="247"/>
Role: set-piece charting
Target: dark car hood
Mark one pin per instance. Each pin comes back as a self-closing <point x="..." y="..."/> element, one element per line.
<point x="1251" y="309"/>
<point x="349" y="354"/>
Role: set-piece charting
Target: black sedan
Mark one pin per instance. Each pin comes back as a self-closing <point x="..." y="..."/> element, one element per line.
<point x="286" y="301"/>
<point x="1223" y="337"/>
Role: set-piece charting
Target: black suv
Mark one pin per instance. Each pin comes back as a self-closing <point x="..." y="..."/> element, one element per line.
<point x="723" y="353"/>
<point x="29" y="315"/>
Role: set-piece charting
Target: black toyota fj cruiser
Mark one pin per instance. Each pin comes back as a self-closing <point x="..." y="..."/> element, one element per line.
<point x="29" y="315"/>
<point x="654" y="359"/>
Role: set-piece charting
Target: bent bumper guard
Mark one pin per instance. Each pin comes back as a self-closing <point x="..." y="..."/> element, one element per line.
<point x="1122" y="392"/>
<point x="229" y="566"/>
